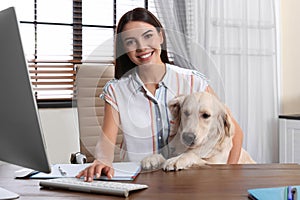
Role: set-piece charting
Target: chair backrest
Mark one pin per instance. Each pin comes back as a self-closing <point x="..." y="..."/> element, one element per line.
<point x="90" y="80"/>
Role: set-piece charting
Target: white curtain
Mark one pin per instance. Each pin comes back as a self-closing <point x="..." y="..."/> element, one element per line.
<point x="233" y="42"/>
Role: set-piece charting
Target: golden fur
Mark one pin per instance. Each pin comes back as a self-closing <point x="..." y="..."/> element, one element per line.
<point x="202" y="134"/>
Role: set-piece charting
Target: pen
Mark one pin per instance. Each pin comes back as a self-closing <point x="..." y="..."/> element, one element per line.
<point x="62" y="172"/>
<point x="290" y="193"/>
<point x="294" y="193"/>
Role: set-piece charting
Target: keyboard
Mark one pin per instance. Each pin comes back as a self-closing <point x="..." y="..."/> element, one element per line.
<point x="100" y="187"/>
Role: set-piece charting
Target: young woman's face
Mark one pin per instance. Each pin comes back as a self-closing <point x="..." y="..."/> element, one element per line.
<point x="142" y="42"/>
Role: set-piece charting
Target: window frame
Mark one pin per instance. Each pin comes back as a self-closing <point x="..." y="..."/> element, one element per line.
<point x="77" y="49"/>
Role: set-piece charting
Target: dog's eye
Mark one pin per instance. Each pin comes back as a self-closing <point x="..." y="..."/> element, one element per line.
<point x="187" y="113"/>
<point x="205" y="115"/>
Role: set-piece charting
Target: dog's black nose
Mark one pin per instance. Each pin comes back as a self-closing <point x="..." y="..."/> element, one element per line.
<point x="188" y="138"/>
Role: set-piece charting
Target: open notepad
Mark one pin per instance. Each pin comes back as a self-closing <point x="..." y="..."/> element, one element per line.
<point x="123" y="171"/>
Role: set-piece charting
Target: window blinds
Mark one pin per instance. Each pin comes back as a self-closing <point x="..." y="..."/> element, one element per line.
<point x="59" y="34"/>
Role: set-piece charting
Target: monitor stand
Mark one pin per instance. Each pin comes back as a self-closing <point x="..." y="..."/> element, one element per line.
<point x="6" y="194"/>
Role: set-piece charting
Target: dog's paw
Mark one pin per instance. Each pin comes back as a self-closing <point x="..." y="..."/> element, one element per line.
<point x="183" y="161"/>
<point x="153" y="162"/>
<point x="175" y="164"/>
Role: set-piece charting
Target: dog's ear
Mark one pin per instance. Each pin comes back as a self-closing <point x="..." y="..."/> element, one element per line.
<point x="174" y="107"/>
<point x="228" y="124"/>
<point x="175" y="104"/>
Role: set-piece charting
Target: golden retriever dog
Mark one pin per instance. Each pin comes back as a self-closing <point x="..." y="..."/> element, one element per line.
<point x="202" y="134"/>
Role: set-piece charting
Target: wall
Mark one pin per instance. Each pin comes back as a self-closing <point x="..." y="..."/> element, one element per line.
<point x="290" y="62"/>
<point x="61" y="134"/>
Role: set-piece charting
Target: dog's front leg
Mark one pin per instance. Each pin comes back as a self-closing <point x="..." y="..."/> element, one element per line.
<point x="183" y="161"/>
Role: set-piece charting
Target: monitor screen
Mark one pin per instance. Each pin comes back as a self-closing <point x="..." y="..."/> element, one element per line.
<point x="21" y="137"/>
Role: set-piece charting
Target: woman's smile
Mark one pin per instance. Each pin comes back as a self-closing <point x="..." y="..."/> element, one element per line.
<point x="144" y="57"/>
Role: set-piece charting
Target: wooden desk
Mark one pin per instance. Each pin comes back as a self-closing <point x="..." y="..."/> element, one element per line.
<point x="215" y="182"/>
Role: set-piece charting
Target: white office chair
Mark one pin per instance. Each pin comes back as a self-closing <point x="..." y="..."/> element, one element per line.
<point x="90" y="80"/>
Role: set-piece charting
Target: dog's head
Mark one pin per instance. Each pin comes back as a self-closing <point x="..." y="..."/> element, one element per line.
<point x="201" y="120"/>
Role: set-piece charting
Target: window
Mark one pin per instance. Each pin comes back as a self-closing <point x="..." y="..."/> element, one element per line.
<point x="59" y="34"/>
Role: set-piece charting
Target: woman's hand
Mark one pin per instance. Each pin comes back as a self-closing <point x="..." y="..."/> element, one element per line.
<point x="96" y="169"/>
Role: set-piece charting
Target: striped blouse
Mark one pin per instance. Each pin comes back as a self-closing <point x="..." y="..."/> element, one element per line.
<point x="145" y="119"/>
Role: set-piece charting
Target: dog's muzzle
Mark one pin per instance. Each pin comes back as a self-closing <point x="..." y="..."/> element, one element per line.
<point x="188" y="138"/>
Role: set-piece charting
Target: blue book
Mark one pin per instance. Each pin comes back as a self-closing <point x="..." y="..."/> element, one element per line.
<point x="275" y="193"/>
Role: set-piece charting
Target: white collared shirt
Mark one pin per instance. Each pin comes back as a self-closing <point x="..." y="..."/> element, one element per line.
<point x="144" y="118"/>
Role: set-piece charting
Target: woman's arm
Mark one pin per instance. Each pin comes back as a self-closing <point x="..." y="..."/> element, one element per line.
<point x="237" y="140"/>
<point x="237" y="143"/>
<point x="105" y="147"/>
<point x="110" y="126"/>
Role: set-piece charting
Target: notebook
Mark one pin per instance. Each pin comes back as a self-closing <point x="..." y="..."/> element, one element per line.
<point x="123" y="171"/>
<point x="276" y="193"/>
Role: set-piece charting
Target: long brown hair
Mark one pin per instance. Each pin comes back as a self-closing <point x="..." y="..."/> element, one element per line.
<point x="122" y="62"/>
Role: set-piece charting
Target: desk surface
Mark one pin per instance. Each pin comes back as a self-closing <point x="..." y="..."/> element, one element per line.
<point x="213" y="182"/>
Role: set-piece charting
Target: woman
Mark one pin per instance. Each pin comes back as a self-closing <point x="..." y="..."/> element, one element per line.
<point x="136" y="101"/>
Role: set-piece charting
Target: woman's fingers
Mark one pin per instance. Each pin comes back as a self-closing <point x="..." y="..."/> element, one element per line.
<point x="95" y="170"/>
<point x="108" y="171"/>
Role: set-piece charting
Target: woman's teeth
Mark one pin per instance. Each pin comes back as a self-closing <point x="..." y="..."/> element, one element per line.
<point x="146" y="55"/>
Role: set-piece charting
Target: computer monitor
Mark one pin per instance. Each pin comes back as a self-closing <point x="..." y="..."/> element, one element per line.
<point x="21" y="137"/>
